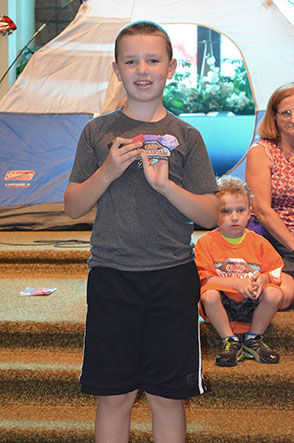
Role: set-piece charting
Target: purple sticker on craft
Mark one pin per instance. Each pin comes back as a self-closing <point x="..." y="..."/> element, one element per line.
<point x="157" y="147"/>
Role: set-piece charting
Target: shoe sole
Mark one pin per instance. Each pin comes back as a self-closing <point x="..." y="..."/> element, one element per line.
<point x="253" y="355"/>
<point x="226" y="364"/>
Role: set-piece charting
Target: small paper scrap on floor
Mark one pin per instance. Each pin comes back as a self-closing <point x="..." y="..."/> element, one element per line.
<point x="38" y="291"/>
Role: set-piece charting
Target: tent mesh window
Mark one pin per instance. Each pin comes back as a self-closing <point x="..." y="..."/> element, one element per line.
<point x="44" y="9"/>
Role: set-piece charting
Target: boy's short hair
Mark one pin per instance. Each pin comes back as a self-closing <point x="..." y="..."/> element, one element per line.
<point x="143" y="27"/>
<point x="233" y="185"/>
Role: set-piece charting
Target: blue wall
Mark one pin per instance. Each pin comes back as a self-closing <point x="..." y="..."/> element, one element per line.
<point x="227" y="138"/>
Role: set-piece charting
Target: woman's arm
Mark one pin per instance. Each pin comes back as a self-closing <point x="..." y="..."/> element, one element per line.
<point x="258" y="177"/>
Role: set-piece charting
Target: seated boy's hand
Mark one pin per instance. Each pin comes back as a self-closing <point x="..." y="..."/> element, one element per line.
<point x="121" y="155"/>
<point x="247" y="288"/>
<point x="258" y="281"/>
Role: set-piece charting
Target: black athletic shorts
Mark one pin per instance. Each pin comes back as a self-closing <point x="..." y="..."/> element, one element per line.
<point x="142" y="332"/>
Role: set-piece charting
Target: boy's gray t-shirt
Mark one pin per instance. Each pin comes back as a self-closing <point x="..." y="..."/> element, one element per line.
<point x="136" y="228"/>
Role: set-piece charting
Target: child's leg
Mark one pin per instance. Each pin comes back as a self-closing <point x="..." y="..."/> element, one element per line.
<point x="231" y="349"/>
<point x="288" y="290"/>
<point x="113" y="417"/>
<point x="168" y="419"/>
<point x="215" y="311"/>
<point x="253" y="344"/>
<point x="269" y="302"/>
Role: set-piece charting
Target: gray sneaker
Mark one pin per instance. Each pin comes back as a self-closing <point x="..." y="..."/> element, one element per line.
<point x="231" y="352"/>
<point x="256" y="348"/>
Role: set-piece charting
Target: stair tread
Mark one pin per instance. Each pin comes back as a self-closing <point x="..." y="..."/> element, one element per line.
<point x="42" y="359"/>
<point x="67" y="303"/>
<point x="226" y="421"/>
<point x="19" y="241"/>
<point x="70" y="295"/>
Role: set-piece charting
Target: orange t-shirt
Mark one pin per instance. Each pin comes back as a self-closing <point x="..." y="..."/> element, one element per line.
<point x="214" y="256"/>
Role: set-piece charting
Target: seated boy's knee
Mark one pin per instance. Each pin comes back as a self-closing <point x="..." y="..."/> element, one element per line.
<point x="211" y="296"/>
<point x="272" y="294"/>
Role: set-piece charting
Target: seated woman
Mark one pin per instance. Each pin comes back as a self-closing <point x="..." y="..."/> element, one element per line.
<point x="270" y="175"/>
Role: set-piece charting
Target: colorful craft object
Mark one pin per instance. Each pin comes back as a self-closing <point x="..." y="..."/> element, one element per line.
<point x="156" y="147"/>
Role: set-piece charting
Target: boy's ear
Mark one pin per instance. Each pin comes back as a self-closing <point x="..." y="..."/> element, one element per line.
<point x="116" y="70"/>
<point x="172" y="68"/>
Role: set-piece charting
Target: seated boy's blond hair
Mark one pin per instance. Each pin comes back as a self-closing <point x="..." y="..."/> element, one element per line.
<point x="233" y="185"/>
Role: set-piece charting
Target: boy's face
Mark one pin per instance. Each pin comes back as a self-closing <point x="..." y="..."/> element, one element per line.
<point x="233" y="214"/>
<point x="143" y="66"/>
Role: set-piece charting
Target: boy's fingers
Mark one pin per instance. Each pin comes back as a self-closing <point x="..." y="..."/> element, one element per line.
<point x="119" y="143"/>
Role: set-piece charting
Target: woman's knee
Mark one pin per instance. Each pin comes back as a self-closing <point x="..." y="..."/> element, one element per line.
<point x="287" y="287"/>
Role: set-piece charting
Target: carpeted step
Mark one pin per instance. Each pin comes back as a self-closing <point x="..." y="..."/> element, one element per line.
<point x="44" y="263"/>
<point x="41" y="342"/>
<point x="72" y="305"/>
<point x="58" y="424"/>
<point x="50" y="377"/>
<point x="279" y="334"/>
<point x="39" y="254"/>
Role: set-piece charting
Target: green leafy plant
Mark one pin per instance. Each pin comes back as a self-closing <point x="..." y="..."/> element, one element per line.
<point x="214" y="92"/>
<point x="24" y="58"/>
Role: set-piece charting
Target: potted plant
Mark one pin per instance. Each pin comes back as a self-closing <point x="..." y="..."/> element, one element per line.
<point x="214" y="92"/>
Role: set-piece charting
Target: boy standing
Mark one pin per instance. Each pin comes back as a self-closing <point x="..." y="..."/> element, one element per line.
<point x="150" y="176"/>
<point x="240" y="274"/>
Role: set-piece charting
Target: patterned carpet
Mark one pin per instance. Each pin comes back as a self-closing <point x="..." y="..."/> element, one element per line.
<point x="41" y="341"/>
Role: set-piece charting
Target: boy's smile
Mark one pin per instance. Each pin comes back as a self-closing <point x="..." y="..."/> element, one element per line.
<point x="143" y="66"/>
<point x="233" y="214"/>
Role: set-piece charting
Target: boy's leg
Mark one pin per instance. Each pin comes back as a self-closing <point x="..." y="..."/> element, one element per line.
<point x="253" y="344"/>
<point x="269" y="302"/>
<point x="112" y="350"/>
<point x="231" y="349"/>
<point x="215" y="311"/>
<point x="112" y="424"/>
<point x="168" y="419"/>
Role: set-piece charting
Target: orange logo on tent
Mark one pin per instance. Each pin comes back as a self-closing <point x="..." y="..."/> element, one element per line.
<point x="19" y="175"/>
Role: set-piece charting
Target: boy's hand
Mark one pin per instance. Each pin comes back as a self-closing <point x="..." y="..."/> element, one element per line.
<point x="247" y="288"/>
<point x="156" y="174"/>
<point x="121" y="155"/>
<point x="258" y="280"/>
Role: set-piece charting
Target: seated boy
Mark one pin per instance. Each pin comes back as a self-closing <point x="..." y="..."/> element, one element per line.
<point x="240" y="274"/>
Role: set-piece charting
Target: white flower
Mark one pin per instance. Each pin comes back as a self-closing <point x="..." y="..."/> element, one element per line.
<point x="210" y="61"/>
<point x="212" y="76"/>
<point x="240" y="100"/>
<point x="227" y="88"/>
<point x="212" y="88"/>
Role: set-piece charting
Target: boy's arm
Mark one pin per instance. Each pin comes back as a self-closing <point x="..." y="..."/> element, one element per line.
<point x="79" y="198"/>
<point x="245" y="286"/>
<point x="201" y="209"/>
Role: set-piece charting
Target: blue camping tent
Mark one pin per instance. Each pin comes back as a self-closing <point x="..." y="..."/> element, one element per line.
<point x="70" y="80"/>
